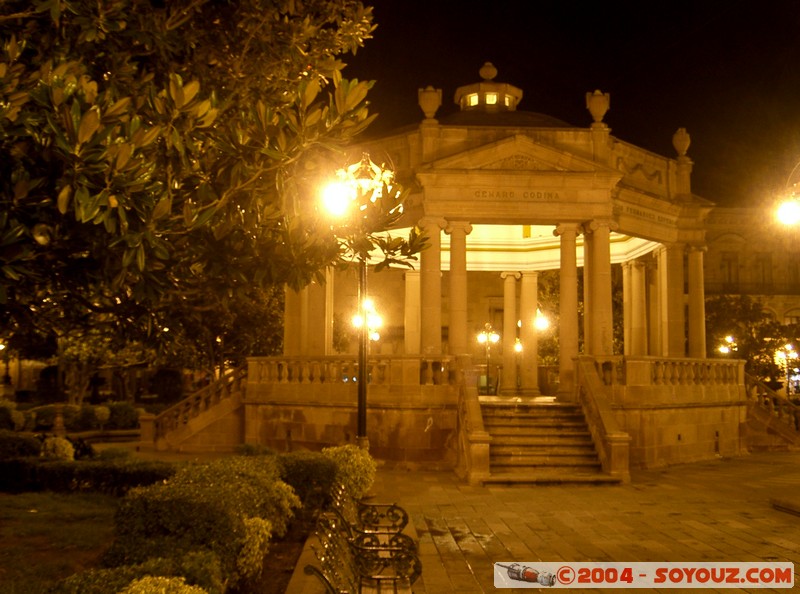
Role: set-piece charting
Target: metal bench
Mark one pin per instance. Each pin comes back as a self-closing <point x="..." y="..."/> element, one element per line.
<point x="368" y="518"/>
<point x="364" y="564"/>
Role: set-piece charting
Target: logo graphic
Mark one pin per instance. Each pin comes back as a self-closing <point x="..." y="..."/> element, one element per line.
<point x="523" y="573"/>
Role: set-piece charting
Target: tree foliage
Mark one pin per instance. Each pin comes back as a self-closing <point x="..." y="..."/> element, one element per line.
<point x="158" y="160"/>
<point x="755" y="333"/>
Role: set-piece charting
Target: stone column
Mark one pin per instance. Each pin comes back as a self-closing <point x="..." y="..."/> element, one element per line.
<point x="315" y="317"/>
<point x="588" y="291"/>
<point x="458" y="231"/>
<point x="411" y="318"/>
<point x="431" y="288"/>
<point x="697" y="304"/>
<point x="602" y="319"/>
<point x="528" y="304"/>
<point x="670" y="266"/>
<point x="292" y="322"/>
<point x="654" y="345"/>
<point x="509" y="383"/>
<point x="638" y="313"/>
<point x="568" y="310"/>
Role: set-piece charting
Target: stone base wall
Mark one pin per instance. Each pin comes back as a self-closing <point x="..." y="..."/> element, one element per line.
<point x="663" y="436"/>
<point x="224" y="434"/>
<point x="411" y="435"/>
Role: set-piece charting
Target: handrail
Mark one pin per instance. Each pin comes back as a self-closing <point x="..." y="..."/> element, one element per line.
<point x="784" y="415"/>
<point x="473" y="440"/>
<point x="192" y="406"/>
<point x="613" y="444"/>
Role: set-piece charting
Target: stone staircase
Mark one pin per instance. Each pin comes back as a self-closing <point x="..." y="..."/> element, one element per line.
<point x="540" y="442"/>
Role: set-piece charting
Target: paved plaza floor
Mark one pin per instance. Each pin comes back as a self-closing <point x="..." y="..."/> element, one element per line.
<point x="712" y="511"/>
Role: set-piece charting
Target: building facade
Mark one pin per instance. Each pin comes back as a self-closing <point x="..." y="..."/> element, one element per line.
<point x="505" y="197"/>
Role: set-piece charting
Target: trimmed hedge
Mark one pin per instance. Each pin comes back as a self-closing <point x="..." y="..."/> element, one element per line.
<point x="229" y="506"/>
<point x="310" y="474"/>
<point x="112" y="477"/>
<point x="199" y="568"/>
<point x="16" y="445"/>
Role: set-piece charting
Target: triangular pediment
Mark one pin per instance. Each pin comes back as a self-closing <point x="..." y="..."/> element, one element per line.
<point x="516" y="153"/>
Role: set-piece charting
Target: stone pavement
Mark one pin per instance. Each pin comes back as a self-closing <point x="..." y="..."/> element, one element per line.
<point x="719" y="510"/>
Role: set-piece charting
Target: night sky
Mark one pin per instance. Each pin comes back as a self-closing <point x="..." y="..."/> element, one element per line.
<point x="728" y="72"/>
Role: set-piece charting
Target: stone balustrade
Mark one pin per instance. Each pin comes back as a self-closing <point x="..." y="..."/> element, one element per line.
<point x="333" y="379"/>
<point x="156" y="428"/>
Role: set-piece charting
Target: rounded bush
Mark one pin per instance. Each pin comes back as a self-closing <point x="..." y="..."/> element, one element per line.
<point x="355" y="468"/>
<point x="57" y="448"/>
<point x="161" y="585"/>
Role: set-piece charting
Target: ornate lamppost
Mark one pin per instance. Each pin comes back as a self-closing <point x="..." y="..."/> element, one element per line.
<point x="352" y="198"/>
<point x="487" y="338"/>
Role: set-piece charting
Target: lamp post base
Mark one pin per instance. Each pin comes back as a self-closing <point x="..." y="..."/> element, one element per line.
<point x="362" y="441"/>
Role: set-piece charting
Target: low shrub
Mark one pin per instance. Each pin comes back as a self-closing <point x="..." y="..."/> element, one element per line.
<point x="111" y="477"/>
<point x="161" y="585"/>
<point x="57" y="448"/>
<point x="199" y="569"/>
<point x="229" y="506"/>
<point x="252" y="486"/>
<point x="113" y="454"/>
<point x="355" y="468"/>
<point x="122" y="415"/>
<point x="249" y="449"/>
<point x="310" y="474"/>
<point x="15" y="445"/>
<point x="83" y="420"/>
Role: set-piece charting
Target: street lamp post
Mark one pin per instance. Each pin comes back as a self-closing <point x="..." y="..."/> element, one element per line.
<point x="487" y="338"/>
<point x="358" y="187"/>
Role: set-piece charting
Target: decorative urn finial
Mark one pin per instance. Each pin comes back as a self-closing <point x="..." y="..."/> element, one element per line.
<point x="681" y="141"/>
<point x="430" y="100"/>
<point x="598" y="104"/>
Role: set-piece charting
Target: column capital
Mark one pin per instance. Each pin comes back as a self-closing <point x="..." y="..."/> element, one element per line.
<point x="458" y="226"/>
<point x="696" y="248"/>
<point x="530" y="273"/>
<point x="505" y="275"/>
<point x="430" y="222"/>
<point x="565" y="228"/>
<point x="596" y="224"/>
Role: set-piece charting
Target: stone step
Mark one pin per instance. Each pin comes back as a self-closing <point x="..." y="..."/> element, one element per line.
<point x="499" y="425"/>
<point x="549" y="478"/>
<point x="542" y="439"/>
<point x="505" y="449"/>
<point x="542" y="409"/>
<point x="545" y="460"/>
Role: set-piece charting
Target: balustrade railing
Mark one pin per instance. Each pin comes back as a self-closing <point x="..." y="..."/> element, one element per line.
<point x="381" y="370"/>
<point x="194" y="405"/>
<point x="694" y="371"/>
<point x="613" y="444"/>
<point x="775" y="403"/>
<point x="473" y="440"/>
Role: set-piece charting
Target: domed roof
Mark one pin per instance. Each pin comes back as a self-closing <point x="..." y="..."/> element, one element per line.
<point x="489" y="103"/>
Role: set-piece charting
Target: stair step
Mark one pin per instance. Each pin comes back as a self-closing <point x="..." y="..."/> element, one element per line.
<point x="540" y="444"/>
<point x="549" y="478"/>
<point x="542" y="439"/>
<point x="533" y="426"/>
<point x="545" y="460"/>
<point x="504" y="449"/>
